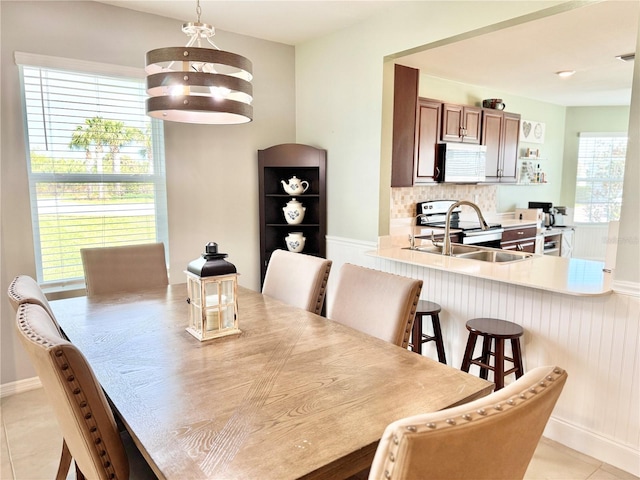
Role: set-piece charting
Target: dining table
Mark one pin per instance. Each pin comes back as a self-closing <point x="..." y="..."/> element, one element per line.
<point x="294" y="395"/>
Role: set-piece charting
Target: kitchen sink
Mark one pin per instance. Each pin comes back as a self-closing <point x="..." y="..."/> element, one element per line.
<point x="471" y="252"/>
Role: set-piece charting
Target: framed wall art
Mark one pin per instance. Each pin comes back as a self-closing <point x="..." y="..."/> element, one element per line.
<point x="531" y="131"/>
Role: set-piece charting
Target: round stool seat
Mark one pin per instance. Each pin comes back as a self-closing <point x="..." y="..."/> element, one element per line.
<point x="495" y="328"/>
<point x="426" y="307"/>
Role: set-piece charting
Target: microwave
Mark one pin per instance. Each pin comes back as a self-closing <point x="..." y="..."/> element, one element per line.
<point x="461" y="163"/>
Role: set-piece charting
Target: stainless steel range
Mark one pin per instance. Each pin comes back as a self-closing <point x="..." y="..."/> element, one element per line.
<point x="433" y="214"/>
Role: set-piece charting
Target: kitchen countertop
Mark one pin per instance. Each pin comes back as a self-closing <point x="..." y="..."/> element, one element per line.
<point x="569" y="276"/>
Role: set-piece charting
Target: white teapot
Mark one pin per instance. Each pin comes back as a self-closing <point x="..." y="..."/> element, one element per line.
<point x="293" y="212"/>
<point x="295" y="186"/>
<point x="295" y="242"/>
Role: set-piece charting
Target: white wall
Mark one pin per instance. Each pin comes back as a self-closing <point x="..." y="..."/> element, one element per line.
<point x="212" y="171"/>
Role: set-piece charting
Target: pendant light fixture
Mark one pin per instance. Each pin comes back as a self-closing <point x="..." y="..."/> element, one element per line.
<point x="193" y="84"/>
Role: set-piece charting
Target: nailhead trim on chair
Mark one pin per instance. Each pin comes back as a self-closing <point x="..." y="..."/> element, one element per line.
<point x="12" y="290"/>
<point x="323" y="291"/>
<point x="73" y="386"/>
<point x="471" y="416"/>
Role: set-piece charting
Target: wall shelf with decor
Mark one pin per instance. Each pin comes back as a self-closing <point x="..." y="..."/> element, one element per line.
<point x="293" y="199"/>
<point x="531" y="171"/>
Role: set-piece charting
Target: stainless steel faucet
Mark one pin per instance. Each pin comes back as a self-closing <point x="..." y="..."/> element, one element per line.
<point x="412" y="235"/>
<point x="446" y="248"/>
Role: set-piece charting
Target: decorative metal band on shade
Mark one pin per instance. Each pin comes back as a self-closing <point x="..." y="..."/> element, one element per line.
<point x="212" y="86"/>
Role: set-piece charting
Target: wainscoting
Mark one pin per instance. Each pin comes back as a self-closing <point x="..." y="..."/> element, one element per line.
<point x="596" y="339"/>
<point x="591" y="242"/>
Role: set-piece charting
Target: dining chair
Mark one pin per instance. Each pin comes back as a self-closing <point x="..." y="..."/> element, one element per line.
<point x="491" y="438"/>
<point x="297" y="279"/>
<point x="90" y="434"/>
<point x="378" y="303"/>
<point x="126" y="268"/>
<point x="24" y="289"/>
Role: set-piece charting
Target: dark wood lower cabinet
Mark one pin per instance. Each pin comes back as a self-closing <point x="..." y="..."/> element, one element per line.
<point x="522" y="239"/>
<point x="280" y="163"/>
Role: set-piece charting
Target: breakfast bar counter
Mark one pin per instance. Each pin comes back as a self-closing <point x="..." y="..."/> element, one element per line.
<point x="569" y="276"/>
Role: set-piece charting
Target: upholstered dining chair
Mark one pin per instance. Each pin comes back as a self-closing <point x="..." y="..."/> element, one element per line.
<point x="378" y="303"/>
<point x="126" y="268"/>
<point x="91" y="437"/>
<point x="490" y="438"/>
<point x="24" y="289"/>
<point x="297" y="279"/>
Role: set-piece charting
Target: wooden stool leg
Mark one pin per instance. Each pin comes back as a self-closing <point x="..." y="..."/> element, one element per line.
<point x="416" y="335"/>
<point x="499" y="366"/>
<point x="486" y="356"/>
<point x="517" y="357"/>
<point x="468" y="352"/>
<point x="437" y="332"/>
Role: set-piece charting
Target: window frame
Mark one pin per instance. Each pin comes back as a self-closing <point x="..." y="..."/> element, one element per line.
<point x="157" y="178"/>
<point x="592" y="180"/>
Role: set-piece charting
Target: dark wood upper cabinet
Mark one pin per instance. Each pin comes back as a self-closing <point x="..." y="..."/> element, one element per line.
<point x="405" y="101"/>
<point x="461" y="123"/>
<point x="427" y="134"/>
<point x="500" y="133"/>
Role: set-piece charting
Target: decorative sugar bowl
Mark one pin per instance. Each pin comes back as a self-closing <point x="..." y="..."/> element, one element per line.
<point x="295" y="242"/>
<point x="295" y="186"/>
<point x="212" y="285"/>
<point x="293" y="212"/>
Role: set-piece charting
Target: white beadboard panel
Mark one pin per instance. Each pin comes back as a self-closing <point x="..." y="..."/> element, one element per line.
<point x="596" y="339"/>
<point x="591" y="241"/>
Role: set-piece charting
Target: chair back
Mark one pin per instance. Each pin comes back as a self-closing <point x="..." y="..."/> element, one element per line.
<point x="378" y="303"/>
<point x="490" y="438"/>
<point x="85" y="419"/>
<point x="24" y="289"/>
<point x="297" y="279"/>
<point x="127" y="268"/>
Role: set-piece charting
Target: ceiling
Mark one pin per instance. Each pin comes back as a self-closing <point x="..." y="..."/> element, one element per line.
<point x="521" y="59"/>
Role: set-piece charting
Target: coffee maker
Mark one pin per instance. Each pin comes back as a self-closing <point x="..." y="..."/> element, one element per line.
<point x="548" y="210"/>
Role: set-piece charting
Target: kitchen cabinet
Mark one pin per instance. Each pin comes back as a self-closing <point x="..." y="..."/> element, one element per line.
<point x="280" y="163"/>
<point x="522" y="239"/>
<point x="461" y="123"/>
<point x="405" y="101"/>
<point x="500" y="134"/>
<point x="427" y="134"/>
<point x="558" y="242"/>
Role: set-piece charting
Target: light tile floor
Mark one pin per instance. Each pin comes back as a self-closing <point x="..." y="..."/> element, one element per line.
<point x="30" y="447"/>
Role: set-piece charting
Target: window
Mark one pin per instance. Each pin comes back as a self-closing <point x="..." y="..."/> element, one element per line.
<point x="600" y="177"/>
<point x="95" y="163"/>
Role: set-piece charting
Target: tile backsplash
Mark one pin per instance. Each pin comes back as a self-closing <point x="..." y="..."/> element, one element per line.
<point x="403" y="200"/>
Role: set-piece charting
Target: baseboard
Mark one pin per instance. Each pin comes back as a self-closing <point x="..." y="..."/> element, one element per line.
<point x="594" y="445"/>
<point x="20" y="386"/>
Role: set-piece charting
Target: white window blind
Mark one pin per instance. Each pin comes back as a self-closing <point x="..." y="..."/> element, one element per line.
<point x="600" y="177"/>
<point x="95" y="163"/>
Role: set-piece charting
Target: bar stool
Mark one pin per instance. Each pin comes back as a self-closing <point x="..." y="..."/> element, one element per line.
<point x="418" y="338"/>
<point x="498" y="331"/>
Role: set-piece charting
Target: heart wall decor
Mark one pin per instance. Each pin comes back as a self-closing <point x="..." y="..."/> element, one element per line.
<point x="532" y="131"/>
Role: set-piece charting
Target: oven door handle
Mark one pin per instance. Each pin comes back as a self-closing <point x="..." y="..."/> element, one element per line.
<point x="483" y="232"/>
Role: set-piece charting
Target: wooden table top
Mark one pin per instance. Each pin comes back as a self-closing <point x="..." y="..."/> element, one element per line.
<point x="294" y="396"/>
